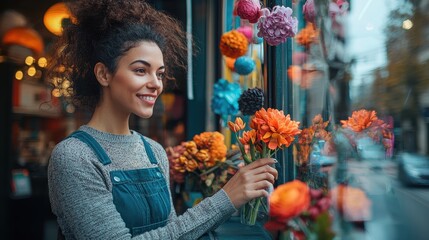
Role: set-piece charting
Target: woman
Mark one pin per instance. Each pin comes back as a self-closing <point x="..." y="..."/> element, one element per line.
<point x="105" y="180"/>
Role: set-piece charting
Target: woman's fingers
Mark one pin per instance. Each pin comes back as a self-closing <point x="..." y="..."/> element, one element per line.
<point x="261" y="176"/>
<point x="261" y="162"/>
<point x="251" y="181"/>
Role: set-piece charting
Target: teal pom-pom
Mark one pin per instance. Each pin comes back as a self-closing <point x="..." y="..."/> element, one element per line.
<point x="244" y="65"/>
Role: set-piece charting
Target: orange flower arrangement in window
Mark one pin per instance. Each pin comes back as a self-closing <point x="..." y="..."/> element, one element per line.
<point x="270" y="130"/>
<point x="307" y="36"/>
<point x="365" y="123"/>
<point x="205" y="158"/>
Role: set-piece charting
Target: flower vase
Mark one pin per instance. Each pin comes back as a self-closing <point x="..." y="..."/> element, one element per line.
<point x="256" y="210"/>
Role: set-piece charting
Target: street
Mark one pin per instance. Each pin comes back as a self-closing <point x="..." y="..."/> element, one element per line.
<point x="398" y="212"/>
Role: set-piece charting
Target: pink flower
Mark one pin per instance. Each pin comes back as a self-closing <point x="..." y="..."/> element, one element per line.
<point x="248" y="9"/>
<point x="309" y="11"/>
<point x="277" y="26"/>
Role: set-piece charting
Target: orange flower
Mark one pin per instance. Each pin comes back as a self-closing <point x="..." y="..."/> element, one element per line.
<point x="304" y="153"/>
<point x="307" y="35"/>
<point x="274" y="128"/>
<point x="191" y="165"/>
<point x="237" y="125"/>
<point x="306" y="136"/>
<point x="214" y="142"/>
<point x="295" y="73"/>
<point x="289" y="200"/>
<point x="361" y="120"/>
<point x="318" y="123"/>
<point x="203" y="155"/>
<point x="352" y="202"/>
<point x="248" y="137"/>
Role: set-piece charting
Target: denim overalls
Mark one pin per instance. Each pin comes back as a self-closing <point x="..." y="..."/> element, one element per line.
<point x="141" y="196"/>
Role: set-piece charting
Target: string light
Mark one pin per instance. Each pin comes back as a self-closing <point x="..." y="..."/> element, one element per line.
<point x="29" y="60"/>
<point x="19" y="75"/>
<point x="42" y="62"/>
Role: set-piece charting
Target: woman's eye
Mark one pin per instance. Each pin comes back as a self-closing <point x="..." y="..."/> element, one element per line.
<point x="161" y="76"/>
<point x="140" y="70"/>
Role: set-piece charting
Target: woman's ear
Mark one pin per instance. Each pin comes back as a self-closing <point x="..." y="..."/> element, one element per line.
<point x="102" y="74"/>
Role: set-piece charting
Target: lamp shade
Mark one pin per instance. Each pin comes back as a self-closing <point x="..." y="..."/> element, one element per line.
<point x="25" y="37"/>
<point x="10" y="19"/>
<point x="54" y="17"/>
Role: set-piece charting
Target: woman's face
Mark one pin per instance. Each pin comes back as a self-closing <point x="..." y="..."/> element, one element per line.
<point x="138" y="80"/>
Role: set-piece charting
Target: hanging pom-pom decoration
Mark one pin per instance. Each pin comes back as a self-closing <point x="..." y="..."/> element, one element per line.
<point x="244" y="65"/>
<point x="248" y="9"/>
<point x="233" y="44"/>
<point x="309" y="11"/>
<point x="229" y="62"/>
<point x="277" y="26"/>
<point x="247" y="31"/>
<point x="251" y="100"/>
<point x="225" y="97"/>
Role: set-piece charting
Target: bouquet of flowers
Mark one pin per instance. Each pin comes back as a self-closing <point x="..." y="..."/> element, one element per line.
<point x="309" y="148"/>
<point x="298" y="212"/>
<point x="204" y="162"/>
<point x="270" y="130"/>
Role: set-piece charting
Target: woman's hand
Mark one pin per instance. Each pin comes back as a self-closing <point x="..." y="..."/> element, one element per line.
<point x="251" y="181"/>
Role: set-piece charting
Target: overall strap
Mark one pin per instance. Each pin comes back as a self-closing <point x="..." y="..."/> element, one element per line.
<point x="149" y="151"/>
<point x="92" y="143"/>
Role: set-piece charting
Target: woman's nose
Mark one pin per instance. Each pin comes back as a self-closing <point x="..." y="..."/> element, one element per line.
<point x="155" y="82"/>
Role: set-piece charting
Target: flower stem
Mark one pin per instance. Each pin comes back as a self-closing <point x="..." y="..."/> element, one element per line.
<point x="249" y="212"/>
<point x="303" y="227"/>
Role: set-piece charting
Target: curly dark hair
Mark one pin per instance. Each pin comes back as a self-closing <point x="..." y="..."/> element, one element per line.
<point x="103" y="31"/>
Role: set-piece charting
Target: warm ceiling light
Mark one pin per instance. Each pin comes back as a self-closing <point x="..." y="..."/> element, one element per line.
<point x="25" y="37"/>
<point x="55" y="16"/>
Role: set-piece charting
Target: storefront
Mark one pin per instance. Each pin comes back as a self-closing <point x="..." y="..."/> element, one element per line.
<point x="354" y="74"/>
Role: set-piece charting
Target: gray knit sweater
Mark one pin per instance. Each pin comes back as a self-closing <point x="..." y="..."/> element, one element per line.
<point x="80" y="191"/>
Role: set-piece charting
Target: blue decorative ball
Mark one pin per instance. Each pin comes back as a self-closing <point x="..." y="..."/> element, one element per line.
<point x="225" y="97"/>
<point x="244" y="65"/>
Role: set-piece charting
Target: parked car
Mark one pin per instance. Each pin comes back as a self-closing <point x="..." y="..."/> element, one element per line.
<point x="413" y="169"/>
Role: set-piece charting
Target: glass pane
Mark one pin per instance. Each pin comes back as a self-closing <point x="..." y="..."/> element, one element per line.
<point x="363" y="66"/>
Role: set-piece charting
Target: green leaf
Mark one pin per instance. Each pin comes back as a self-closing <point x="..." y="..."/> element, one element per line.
<point x="322" y="227"/>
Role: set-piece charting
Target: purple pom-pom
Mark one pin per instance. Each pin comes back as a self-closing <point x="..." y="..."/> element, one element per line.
<point x="277" y="26"/>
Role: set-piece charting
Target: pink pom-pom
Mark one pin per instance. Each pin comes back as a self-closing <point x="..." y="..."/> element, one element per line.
<point x="246" y="31"/>
<point x="248" y="9"/>
<point x="309" y="11"/>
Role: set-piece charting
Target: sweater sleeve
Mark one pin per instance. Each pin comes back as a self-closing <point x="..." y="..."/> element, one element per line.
<point x="83" y="202"/>
<point x="196" y="221"/>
